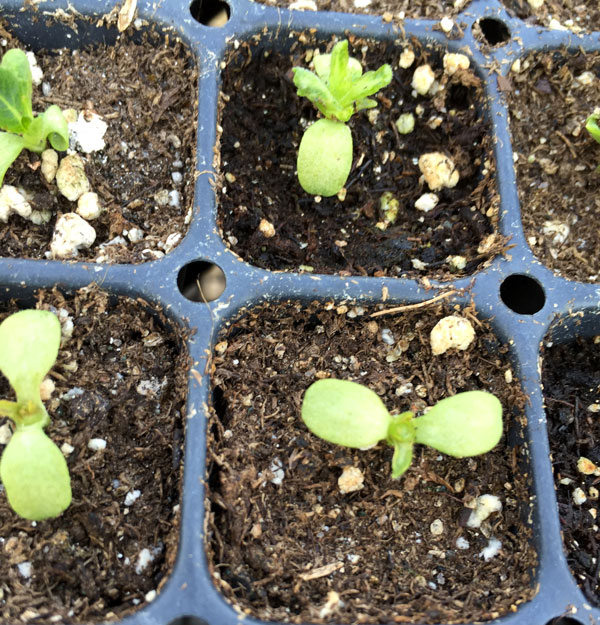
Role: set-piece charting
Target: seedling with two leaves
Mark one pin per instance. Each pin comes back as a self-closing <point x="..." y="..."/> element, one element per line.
<point x="352" y="415"/>
<point x="32" y="468"/>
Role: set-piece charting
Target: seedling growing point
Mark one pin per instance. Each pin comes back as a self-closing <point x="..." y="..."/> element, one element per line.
<point x="350" y="414"/>
<point x="337" y="88"/>
<point x="32" y="468"/>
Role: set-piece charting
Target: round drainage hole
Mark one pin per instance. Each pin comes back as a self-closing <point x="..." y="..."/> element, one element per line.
<point x="494" y="31"/>
<point x="201" y="281"/>
<point x="563" y="620"/>
<point x="522" y="294"/>
<point x="210" y="12"/>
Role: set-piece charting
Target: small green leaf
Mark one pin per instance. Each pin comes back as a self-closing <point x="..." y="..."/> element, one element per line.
<point x="10" y="148"/>
<point x="15" y="92"/>
<point x="339" y="79"/>
<point x="345" y="413"/>
<point x="322" y="63"/>
<point x="325" y="157"/>
<point x="466" y="424"/>
<point x="29" y="342"/>
<point x="401" y="459"/>
<point x="368" y="84"/>
<point x="591" y="125"/>
<point x="50" y="125"/>
<point x="310" y="86"/>
<point x="35" y="475"/>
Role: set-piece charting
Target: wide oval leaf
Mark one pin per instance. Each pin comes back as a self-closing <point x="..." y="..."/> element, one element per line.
<point x="325" y="157"/>
<point x="35" y="475"/>
<point x="345" y="413"/>
<point x="466" y="424"/>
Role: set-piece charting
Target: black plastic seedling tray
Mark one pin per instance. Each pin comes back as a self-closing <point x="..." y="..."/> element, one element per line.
<point x="520" y="297"/>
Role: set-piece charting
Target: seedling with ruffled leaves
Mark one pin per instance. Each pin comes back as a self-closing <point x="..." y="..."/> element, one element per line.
<point x="23" y="130"/>
<point x="350" y="414"/>
<point x="337" y="88"/>
<point x="32" y="468"/>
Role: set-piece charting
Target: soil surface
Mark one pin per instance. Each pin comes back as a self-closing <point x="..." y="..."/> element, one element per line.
<point x="571" y="378"/>
<point x="146" y="93"/>
<point x="431" y="9"/>
<point x="263" y="119"/>
<point x="286" y="545"/>
<point x="559" y="189"/>
<point x="577" y="15"/>
<point x="121" y="377"/>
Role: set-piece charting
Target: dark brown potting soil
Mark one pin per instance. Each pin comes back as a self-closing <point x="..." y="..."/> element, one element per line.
<point x="578" y="15"/>
<point x="430" y="9"/>
<point x="285" y="545"/>
<point x="262" y="122"/>
<point x="571" y="378"/>
<point x="120" y="378"/>
<point x="146" y="93"/>
<point x="559" y="189"/>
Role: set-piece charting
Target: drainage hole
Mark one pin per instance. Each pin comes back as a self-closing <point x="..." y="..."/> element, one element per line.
<point x="563" y="620"/>
<point x="494" y="31"/>
<point x="522" y="294"/>
<point x="201" y="281"/>
<point x="210" y="12"/>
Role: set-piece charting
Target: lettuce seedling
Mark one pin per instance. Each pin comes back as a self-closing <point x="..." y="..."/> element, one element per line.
<point x="32" y="469"/>
<point x="591" y="125"/>
<point x="350" y="414"/>
<point x="337" y="88"/>
<point x="23" y="130"/>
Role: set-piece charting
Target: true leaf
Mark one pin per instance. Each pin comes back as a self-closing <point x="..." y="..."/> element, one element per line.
<point x="339" y="79"/>
<point x="10" y="148"/>
<point x="368" y="84"/>
<point x="15" y="92"/>
<point x="50" y="125"/>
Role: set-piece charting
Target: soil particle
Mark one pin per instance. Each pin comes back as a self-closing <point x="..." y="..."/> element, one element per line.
<point x="262" y="121"/>
<point x="301" y="551"/>
<point x="559" y="190"/>
<point x="83" y="564"/>
<point x="146" y="92"/>
<point x="571" y="379"/>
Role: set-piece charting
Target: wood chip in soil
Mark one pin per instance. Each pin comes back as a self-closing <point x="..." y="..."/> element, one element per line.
<point x="576" y="15"/>
<point x="429" y="9"/>
<point x="559" y="189"/>
<point x="285" y="545"/>
<point x="571" y="379"/>
<point x="262" y="120"/>
<point x="146" y="92"/>
<point x="121" y="377"/>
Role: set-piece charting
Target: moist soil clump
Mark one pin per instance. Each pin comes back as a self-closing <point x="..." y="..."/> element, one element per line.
<point x="121" y="377"/>
<point x="146" y="93"/>
<point x="262" y="122"/>
<point x="283" y="542"/>
<point x="559" y="189"/>
<point x="423" y="9"/>
<point x="583" y="14"/>
<point x="571" y="379"/>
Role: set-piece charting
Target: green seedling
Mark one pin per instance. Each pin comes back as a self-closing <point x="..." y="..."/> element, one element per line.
<point x="23" y="130"/>
<point x="32" y="469"/>
<point x="349" y="414"/>
<point x="591" y="125"/>
<point x="337" y="88"/>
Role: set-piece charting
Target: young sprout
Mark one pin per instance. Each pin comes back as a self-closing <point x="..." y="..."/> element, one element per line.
<point x="591" y="125"/>
<point x="338" y="88"/>
<point x="23" y="130"/>
<point x="349" y="414"/>
<point x="32" y="469"/>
